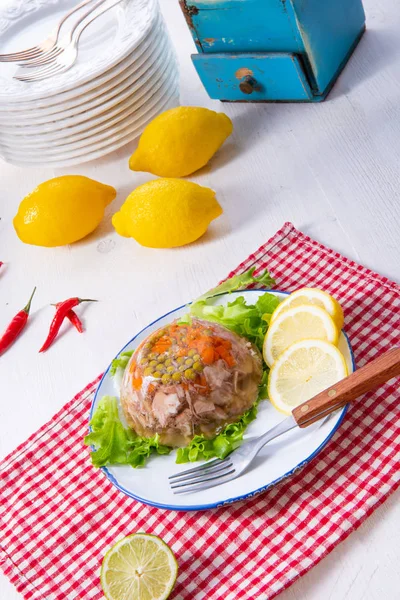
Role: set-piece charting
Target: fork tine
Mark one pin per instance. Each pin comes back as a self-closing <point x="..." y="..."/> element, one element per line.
<point x="22" y="56"/>
<point x="38" y="70"/>
<point x="201" y="474"/>
<point x="42" y="73"/>
<point x="32" y="77"/>
<point x="44" y="58"/>
<point x="199" y="468"/>
<point x="206" y="484"/>
<point x="22" y="52"/>
<point x="207" y="477"/>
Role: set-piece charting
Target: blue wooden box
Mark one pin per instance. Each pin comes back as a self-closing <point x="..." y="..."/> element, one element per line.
<point x="272" y="50"/>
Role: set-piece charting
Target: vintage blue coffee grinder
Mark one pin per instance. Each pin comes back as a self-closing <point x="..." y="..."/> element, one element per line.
<point x="272" y="50"/>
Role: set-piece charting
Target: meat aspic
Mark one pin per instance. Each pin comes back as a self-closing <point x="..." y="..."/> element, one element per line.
<point x="187" y="379"/>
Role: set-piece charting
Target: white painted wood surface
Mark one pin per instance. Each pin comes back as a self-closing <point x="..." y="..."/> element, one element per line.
<point x="332" y="169"/>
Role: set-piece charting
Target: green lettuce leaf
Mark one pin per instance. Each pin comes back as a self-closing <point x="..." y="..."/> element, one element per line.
<point x="200" y="448"/>
<point x="239" y="282"/>
<point x="120" y="362"/>
<point x="113" y="443"/>
<point x="248" y="320"/>
<point x="266" y="304"/>
<point x="263" y="389"/>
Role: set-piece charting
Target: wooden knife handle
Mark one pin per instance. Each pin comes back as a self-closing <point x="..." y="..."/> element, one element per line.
<point x="360" y="382"/>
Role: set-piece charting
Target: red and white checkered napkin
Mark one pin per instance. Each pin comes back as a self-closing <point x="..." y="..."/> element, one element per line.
<point x="59" y="515"/>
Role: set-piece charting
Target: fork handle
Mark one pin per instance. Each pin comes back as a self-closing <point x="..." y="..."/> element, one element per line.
<point x="93" y="14"/>
<point x="70" y="13"/>
<point x="360" y="382"/>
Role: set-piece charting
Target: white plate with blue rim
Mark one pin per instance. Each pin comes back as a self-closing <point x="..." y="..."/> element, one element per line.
<point x="277" y="461"/>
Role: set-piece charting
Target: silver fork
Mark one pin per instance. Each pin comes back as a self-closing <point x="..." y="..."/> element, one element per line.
<point x="361" y="381"/>
<point x="65" y="42"/>
<point x="46" y="46"/>
<point x="218" y="471"/>
<point x="66" y="57"/>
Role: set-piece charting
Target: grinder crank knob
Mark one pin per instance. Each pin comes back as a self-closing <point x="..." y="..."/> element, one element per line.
<point x="248" y="85"/>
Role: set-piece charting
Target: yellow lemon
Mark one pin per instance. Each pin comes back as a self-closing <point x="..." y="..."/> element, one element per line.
<point x="316" y="297"/>
<point x="165" y="213"/>
<point x="302" y="371"/>
<point x="296" y="324"/>
<point x="62" y="210"/>
<point x="180" y="141"/>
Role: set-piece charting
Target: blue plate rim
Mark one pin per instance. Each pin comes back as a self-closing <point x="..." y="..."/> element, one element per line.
<point x="229" y="501"/>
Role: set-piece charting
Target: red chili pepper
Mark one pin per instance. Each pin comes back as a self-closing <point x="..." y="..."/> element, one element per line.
<point x="16" y="326"/>
<point x="62" y="311"/>
<point x="73" y="318"/>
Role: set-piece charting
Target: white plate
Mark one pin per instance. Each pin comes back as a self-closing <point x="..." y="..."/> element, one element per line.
<point x="131" y="124"/>
<point x="91" y="87"/>
<point x="59" y="133"/>
<point x="87" y="155"/>
<point x="278" y="459"/>
<point x="127" y="113"/>
<point x="106" y="42"/>
<point x="67" y="130"/>
<point x="83" y="114"/>
<point x="24" y="114"/>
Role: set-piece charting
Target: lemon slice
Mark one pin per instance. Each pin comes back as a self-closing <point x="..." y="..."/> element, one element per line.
<point x="139" y="567"/>
<point x="295" y="324"/>
<point x="304" y="370"/>
<point x="315" y="297"/>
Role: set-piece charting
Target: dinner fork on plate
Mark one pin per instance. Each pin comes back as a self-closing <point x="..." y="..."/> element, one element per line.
<point x="337" y="396"/>
<point x="64" y="43"/>
<point x="44" y="47"/>
<point x="63" y="56"/>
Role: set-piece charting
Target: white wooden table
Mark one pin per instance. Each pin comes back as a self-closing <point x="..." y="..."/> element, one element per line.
<point x="333" y="169"/>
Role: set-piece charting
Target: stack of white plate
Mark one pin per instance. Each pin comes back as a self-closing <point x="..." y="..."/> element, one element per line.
<point x="126" y="73"/>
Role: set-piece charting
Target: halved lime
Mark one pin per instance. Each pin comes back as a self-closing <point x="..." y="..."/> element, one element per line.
<point x="139" y="567"/>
